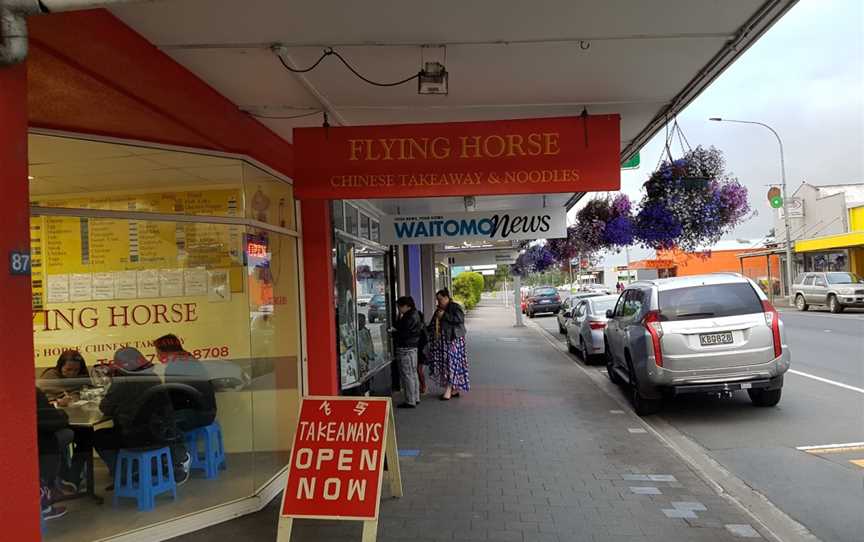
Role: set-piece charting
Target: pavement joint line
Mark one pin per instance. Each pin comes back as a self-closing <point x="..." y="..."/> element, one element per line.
<point x="827" y="381"/>
<point x="694" y="506"/>
<point x="742" y="531"/>
<point x="832" y="448"/>
<point x="675" y="513"/>
<point x="645" y="490"/>
<point x="777" y="524"/>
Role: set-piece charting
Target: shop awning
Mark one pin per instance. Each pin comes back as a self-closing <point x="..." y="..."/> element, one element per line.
<point x="645" y="61"/>
<point x="844" y="240"/>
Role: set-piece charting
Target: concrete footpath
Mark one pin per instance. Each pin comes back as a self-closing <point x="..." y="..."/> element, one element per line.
<point x="535" y="452"/>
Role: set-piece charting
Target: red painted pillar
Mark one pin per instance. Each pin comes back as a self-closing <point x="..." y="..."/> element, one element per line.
<point x="320" y="305"/>
<point x="19" y="505"/>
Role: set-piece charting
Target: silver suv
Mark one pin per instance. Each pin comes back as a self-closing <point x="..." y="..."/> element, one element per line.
<point x="702" y="334"/>
<point x="834" y="289"/>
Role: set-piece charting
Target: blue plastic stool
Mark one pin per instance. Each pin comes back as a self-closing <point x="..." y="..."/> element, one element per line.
<point x="144" y="474"/>
<point x="213" y="458"/>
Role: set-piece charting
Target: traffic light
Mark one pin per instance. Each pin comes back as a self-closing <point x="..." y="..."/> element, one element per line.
<point x="774" y="197"/>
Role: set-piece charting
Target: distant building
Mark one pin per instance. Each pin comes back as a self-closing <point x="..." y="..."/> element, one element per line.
<point x="751" y="257"/>
<point x="826" y="226"/>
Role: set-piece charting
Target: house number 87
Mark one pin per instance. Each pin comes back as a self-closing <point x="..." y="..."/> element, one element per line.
<point x="19" y="263"/>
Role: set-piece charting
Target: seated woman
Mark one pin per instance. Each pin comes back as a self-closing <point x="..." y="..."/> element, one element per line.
<point x="54" y="437"/>
<point x="70" y="375"/>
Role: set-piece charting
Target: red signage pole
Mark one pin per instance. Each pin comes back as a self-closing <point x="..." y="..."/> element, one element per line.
<point x="337" y="462"/>
<point x="19" y="513"/>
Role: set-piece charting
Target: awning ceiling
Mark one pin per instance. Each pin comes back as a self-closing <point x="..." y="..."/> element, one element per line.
<point x="506" y="58"/>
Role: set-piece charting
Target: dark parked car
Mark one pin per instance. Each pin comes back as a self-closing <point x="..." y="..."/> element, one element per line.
<point x="543" y="299"/>
<point x="376" y="308"/>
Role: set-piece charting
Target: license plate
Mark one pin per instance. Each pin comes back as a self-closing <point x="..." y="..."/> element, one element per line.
<point x="545" y="301"/>
<point x="711" y="339"/>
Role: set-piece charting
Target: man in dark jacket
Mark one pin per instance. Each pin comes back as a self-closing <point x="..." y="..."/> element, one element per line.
<point x="143" y="416"/>
<point x="196" y="408"/>
<point x="407" y="335"/>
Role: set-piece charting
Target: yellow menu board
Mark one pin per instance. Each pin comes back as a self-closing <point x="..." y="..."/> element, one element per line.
<point x="70" y="252"/>
<point x="100" y="283"/>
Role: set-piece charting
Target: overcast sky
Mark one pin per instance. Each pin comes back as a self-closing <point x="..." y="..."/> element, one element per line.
<point x="805" y="78"/>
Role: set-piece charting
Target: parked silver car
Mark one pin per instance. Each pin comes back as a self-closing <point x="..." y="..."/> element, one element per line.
<point x="703" y="334"/>
<point x="568" y="306"/>
<point x="585" y="329"/>
<point x="834" y="289"/>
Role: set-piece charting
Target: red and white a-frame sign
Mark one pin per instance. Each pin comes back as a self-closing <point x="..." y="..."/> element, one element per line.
<point x="337" y="462"/>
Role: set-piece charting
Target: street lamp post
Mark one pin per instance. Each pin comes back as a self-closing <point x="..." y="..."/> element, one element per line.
<point x="789" y="276"/>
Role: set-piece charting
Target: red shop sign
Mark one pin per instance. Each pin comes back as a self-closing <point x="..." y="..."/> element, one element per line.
<point x="337" y="460"/>
<point x="526" y="156"/>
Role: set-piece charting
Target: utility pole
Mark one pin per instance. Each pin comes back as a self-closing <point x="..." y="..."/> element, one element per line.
<point x="789" y="265"/>
<point x="627" y="255"/>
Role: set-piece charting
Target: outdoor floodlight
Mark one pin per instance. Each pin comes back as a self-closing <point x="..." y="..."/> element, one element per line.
<point x="432" y="79"/>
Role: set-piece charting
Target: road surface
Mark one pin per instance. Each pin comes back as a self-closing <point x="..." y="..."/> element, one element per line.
<point x="821" y="487"/>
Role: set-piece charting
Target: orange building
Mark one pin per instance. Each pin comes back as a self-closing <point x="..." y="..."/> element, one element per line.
<point x="724" y="256"/>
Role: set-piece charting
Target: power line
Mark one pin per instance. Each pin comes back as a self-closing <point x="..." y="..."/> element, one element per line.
<point x="330" y="52"/>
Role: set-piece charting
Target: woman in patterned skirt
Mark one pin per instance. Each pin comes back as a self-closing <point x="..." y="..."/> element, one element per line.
<point x="447" y="346"/>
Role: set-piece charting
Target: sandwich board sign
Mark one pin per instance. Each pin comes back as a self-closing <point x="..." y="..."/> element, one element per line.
<point x="337" y="462"/>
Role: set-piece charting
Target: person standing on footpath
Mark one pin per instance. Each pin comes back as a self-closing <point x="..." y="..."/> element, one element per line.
<point x="407" y="334"/>
<point x="447" y="349"/>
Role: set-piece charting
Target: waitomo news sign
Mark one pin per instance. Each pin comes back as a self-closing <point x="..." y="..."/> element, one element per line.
<point x="517" y="224"/>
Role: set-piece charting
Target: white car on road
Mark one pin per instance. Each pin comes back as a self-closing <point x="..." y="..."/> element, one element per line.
<point x="584" y="328"/>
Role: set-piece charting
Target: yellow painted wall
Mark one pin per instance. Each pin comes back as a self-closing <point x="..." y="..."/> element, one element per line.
<point x="856" y="219"/>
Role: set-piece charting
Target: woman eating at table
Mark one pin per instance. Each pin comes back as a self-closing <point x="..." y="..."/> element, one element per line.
<point x="70" y="375"/>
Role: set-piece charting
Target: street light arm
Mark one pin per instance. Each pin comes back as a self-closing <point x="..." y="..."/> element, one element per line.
<point x="773" y="131"/>
<point x="787" y="228"/>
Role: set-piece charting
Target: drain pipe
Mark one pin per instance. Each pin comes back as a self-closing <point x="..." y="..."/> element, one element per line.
<point x="13" y="22"/>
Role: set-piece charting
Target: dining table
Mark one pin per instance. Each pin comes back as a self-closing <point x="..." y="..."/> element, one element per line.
<point x="85" y="416"/>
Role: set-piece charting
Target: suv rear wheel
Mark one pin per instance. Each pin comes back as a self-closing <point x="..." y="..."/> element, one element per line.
<point x="765" y="398"/>
<point x="643" y="406"/>
<point x="834" y="304"/>
<point x="570" y="347"/>
<point x="610" y="366"/>
<point x="801" y="303"/>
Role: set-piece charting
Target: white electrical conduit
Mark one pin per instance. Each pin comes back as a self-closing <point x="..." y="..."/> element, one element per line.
<point x="13" y="22"/>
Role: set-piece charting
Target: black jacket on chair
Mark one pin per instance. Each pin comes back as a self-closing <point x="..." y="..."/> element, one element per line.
<point x="141" y="407"/>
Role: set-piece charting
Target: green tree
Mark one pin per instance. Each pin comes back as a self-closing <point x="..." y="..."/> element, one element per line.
<point x="467" y="288"/>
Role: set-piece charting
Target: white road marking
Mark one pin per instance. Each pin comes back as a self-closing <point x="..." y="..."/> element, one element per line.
<point x="827" y="331"/>
<point x="830" y="447"/>
<point x="826" y="381"/>
<point x="849" y="316"/>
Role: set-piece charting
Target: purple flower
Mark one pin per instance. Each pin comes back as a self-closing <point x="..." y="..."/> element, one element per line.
<point x="657" y="227"/>
<point x="619" y="232"/>
<point x="621" y="206"/>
